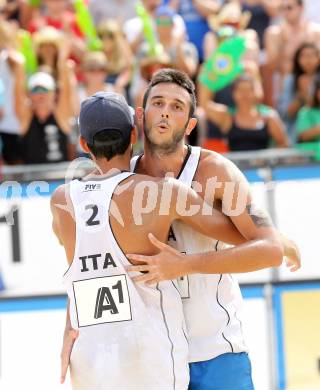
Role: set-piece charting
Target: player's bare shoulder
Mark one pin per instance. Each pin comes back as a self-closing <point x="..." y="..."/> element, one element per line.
<point x="213" y="164"/>
<point x="60" y="198"/>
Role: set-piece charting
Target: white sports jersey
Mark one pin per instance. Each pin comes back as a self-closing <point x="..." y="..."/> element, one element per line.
<point x="131" y="336"/>
<point x="211" y="303"/>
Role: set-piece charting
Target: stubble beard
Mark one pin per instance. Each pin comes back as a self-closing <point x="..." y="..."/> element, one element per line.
<point x="167" y="147"/>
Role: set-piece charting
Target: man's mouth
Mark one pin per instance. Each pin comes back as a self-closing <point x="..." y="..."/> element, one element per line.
<point x="163" y="127"/>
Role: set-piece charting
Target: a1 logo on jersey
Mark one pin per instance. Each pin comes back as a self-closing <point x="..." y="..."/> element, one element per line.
<point x="102" y="300"/>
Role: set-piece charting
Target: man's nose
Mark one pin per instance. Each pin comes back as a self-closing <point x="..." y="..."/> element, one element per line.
<point x="165" y="115"/>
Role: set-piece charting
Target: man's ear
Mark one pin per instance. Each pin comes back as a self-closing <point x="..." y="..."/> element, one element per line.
<point x="139" y="114"/>
<point x="134" y="135"/>
<point x="191" y="125"/>
<point x="84" y="145"/>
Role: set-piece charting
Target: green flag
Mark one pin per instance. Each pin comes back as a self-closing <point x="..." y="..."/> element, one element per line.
<point x="155" y="48"/>
<point x="26" y="49"/>
<point x="224" y="65"/>
<point x="86" y="25"/>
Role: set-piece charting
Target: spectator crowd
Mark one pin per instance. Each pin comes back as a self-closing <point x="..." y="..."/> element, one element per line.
<point x="255" y="64"/>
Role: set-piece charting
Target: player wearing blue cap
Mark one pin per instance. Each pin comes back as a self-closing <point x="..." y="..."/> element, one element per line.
<point x="130" y="336"/>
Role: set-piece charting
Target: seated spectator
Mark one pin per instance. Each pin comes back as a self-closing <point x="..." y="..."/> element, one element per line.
<point x="45" y="118"/>
<point x="249" y="126"/>
<point x="10" y="58"/>
<point x="308" y="121"/>
<point x="299" y="86"/>
<point x="118" y="53"/>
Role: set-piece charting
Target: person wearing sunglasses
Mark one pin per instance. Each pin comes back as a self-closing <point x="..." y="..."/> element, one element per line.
<point x="45" y="118"/>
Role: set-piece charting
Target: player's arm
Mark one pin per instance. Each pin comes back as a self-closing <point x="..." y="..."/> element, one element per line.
<point x="69" y="337"/>
<point x="55" y="202"/>
<point x="265" y="246"/>
<point x="62" y="217"/>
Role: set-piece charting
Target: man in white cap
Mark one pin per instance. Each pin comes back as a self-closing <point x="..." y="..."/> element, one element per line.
<point x="44" y="118"/>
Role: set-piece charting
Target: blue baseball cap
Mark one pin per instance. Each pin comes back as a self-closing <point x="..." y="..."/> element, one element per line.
<point x="105" y="111"/>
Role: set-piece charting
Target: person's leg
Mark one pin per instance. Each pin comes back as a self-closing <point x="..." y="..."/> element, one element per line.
<point x="230" y="371"/>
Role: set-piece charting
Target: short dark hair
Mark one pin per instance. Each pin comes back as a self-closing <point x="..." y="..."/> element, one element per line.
<point x="108" y="144"/>
<point x="297" y="70"/>
<point x="176" y="77"/>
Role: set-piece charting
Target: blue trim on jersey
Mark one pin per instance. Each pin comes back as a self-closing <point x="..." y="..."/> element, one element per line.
<point x="32" y="304"/>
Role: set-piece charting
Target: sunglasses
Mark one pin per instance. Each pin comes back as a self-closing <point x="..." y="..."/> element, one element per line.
<point x="39" y="89"/>
<point x="164" y="22"/>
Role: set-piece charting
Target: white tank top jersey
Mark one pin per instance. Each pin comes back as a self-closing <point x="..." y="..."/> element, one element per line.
<point x="131" y="336"/>
<point x="211" y="303"/>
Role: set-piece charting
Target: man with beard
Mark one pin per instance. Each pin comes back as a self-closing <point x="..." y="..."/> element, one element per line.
<point x="211" y="300"/>
<point x="211" y="297"/>
<point x="131" y="336"/>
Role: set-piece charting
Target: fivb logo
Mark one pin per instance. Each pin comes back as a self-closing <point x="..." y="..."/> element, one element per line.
<point x="92" y="187"/>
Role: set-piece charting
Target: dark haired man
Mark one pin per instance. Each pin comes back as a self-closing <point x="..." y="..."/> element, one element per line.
<point x="130" y="336"/>
<point x="212" y="298"/>
<point x="167" y="116"/>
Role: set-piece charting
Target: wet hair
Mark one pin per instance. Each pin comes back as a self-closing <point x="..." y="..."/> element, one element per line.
<point x="175" y="77"/>
<point x="297" y="70"/>
<point x="108" y="144"/>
